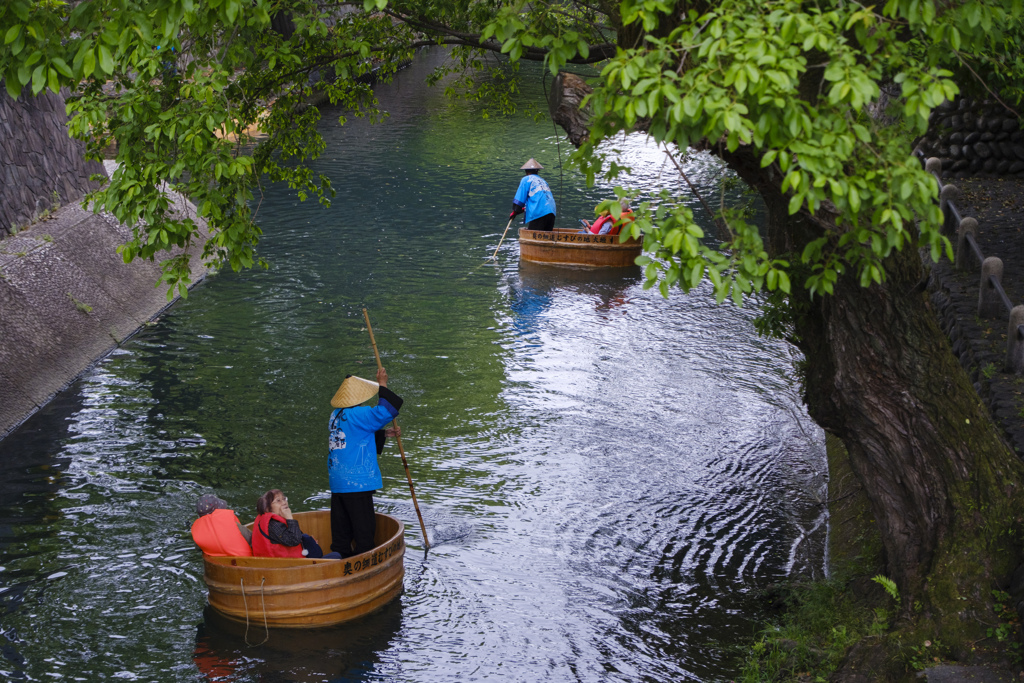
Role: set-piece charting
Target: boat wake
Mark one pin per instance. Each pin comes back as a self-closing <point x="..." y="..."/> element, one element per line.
<point x="447" y="532"/>
<point x="442" y="526"/>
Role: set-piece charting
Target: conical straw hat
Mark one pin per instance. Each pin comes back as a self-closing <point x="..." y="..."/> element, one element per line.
<point x="353" y="391"/>
<point x="531" y="165"/>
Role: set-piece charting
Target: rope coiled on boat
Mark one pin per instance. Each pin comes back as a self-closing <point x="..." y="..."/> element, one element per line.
<point x="245" y="603"/>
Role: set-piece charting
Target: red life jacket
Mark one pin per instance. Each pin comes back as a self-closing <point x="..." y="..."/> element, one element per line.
<point x="217" y="534"/>
<point x="262" y="546"/>
<point x="596" y="226"/>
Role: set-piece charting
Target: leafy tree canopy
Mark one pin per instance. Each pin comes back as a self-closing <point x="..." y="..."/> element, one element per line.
<point x="795" y="86"/>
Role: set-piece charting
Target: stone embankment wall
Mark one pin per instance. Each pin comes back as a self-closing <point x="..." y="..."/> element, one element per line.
<point x="66" y="300"/>
<point x="975" y="138"/>
<point x="42" y="167"/>
<point x="66" y="297"/>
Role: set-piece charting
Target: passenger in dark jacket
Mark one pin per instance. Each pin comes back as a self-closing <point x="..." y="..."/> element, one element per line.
<point x="277" y="534"/>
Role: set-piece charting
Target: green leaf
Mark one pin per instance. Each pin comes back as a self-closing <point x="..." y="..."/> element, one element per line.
<point x="854" y="198"/>
<point x="106" y="59"/>
<point x="696" y="273"/>
<point x="89" y="64"/>
<point x="784" y="281"/>
<point x="38" y="79"/>
<point x="12" y="34"/>
<point x="794" y="203"/>
<point x="865" y="277"/>
<point x="13" y="87"/>
<point x="62" y="67"/>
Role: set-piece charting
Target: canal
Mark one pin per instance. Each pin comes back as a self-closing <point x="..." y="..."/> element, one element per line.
<point x="608" y="477"/>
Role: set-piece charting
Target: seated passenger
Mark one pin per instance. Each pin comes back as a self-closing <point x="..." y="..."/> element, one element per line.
<point x="218" y="532"/>
<point x="606" y="225"/>
<point x="615" y="227"/>
<point x="277" y="534"/>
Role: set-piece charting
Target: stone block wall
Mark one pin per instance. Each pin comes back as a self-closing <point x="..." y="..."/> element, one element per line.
<point x="40" y="165"/>
<point x="975" y="137"/>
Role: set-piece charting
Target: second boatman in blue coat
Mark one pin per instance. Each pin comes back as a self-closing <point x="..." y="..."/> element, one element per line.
<point x="535" y="198"/>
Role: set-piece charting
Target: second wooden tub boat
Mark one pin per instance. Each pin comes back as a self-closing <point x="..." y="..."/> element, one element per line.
<point x="562" y="247"/>
<point x="305" y="593"/>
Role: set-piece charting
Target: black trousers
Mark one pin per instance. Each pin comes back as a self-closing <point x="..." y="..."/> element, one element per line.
<point x="353" y="523"/>
<point x="545" y="222"/>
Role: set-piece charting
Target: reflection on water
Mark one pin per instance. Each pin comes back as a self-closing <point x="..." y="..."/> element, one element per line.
<point x="228" y="650"/>
<point x="607" y="476"/>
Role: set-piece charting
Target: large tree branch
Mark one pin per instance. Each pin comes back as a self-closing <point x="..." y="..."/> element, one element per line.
<point x="449" y="36"/>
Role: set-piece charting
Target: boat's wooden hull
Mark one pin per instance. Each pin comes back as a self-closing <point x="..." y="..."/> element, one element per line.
<point x="303" y="593"/>
<point x="572" y="248"/>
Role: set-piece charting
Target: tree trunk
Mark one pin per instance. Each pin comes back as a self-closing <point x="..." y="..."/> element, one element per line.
<point x="882" y="377"/>
<point x="942" y="485"/>
<point x="564" y="100"/>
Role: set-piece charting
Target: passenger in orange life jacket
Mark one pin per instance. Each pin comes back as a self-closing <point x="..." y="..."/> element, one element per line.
<point x="277" y="534"/>
<point x="218" y="532"/>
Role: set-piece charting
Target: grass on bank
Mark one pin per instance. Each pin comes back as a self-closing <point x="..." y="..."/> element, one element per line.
<point x="850" y="617"/>
<point x="820" y="622"/>
<point x="824" y="621"/>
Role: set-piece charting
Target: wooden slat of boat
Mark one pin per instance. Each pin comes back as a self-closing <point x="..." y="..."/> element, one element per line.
<point x="277" y="589"/>
<point x="255" y="608"/>
<point x="253" y="611"/>
<point x="255" y="600"/>
<point x="572" y="248"/>
<point x="267" y="562"/>
<point x="298" y="593"/>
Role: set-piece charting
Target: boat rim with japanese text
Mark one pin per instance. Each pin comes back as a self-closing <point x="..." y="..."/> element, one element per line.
<point x="562" y="247"/>
<point x="309" y="593"/>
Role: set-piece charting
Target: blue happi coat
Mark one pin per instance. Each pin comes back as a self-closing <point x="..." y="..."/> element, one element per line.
<point x="352" y="463"/>
<point x="534" y="194"/>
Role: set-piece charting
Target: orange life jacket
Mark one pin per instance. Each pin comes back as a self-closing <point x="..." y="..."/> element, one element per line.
<point x="624" y="219"/>
<point x="262" y="546"/>
<point x="217" y="534"/>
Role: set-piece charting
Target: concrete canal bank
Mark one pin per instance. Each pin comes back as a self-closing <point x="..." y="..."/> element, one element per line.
<point x="66" y="297"/>
<point x="66" y="300"/>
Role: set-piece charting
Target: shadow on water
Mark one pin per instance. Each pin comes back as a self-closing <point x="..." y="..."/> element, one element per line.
<point x="534" y="286"/>
<point x="347" y="652"/>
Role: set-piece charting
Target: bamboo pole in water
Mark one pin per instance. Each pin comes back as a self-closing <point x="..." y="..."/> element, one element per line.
<point x="495" y="254"/>
<point x="398" y="438"/>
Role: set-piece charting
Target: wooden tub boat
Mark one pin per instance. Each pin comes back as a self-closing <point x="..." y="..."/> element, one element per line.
<point x="562" y="247"/>
<point x="304" y="593"/>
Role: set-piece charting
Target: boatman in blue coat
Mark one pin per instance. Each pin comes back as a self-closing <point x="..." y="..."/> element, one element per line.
<point x="535" y="198"/>
<point x="357" y="437"/>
